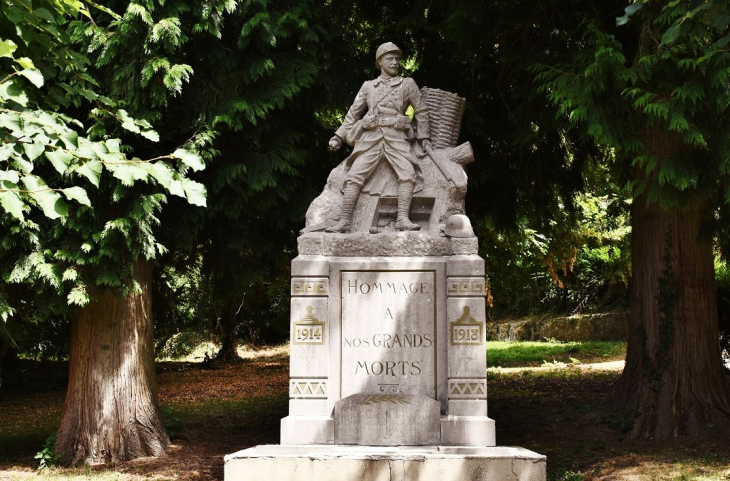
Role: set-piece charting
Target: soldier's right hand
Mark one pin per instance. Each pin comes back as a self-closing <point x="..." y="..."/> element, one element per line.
<point x="335" y="143"/>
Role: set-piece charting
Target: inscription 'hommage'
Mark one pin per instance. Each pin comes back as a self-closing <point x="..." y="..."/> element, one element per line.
<point x="354" y="286"/>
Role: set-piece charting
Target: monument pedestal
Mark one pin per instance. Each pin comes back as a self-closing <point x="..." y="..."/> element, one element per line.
<point x="381" y="336"/>
<point x="368" y="463"/>
<point x="388" y="369"/>
<point x="388" y="326"/>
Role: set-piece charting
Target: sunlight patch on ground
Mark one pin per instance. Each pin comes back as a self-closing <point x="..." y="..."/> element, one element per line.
<point x="617" y="366"/>
<point x="206" y="351"/>
<point x="248" y="352"/>
<point x="633" y="467"/>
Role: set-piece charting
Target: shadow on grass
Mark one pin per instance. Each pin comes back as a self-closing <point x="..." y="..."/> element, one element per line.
<point x="253" y="420"/>
<point x="571" y="416"/>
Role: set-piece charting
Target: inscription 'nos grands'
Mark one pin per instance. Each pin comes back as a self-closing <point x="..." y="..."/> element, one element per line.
<point x="389" y="341"/>
<point x="355" y="287"/>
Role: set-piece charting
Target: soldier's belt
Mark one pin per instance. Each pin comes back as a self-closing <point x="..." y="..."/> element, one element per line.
<point x="400" y="122"/>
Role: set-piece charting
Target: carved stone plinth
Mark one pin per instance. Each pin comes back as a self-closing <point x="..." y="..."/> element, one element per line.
<point x="335" y="463"/>
<point x="387" y="329"/>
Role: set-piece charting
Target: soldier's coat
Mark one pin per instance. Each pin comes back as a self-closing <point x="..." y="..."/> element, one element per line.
<point x="378" y="129"/>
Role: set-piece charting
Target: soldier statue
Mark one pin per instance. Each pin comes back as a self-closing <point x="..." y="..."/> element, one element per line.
<point x="378" y="128"/>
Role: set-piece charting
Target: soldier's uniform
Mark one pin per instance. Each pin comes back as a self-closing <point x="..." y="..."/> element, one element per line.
<point x="378" y="128"/>
<point x="385" y="132"/>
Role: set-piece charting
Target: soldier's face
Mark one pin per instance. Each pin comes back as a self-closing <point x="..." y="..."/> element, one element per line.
<point x="389" y="64"/>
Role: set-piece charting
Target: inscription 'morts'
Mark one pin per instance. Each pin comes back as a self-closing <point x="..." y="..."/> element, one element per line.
<point x="389" y="368"/>
<point x="355" y="286"/>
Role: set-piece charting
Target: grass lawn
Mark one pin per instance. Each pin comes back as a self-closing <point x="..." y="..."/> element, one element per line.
<point x="530" y="353"/>
<point x="564" y="412"/>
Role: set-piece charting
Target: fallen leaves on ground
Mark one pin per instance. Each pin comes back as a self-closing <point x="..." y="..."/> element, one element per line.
<point x="566" y="412"/>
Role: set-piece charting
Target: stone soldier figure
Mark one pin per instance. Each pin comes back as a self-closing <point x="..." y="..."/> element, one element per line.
<point x="378" y="128"/>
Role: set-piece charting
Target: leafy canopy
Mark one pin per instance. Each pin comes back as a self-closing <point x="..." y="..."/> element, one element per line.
<point x="653" y="89"/>
<point x="75" y="209"/>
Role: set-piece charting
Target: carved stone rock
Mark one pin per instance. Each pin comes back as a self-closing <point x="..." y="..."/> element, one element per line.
<point x="388" y="419"/>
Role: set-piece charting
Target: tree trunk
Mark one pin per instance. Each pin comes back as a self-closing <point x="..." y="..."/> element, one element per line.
<point x="4" y="349"/>
<point x="8" y="348"/>
<point x="111" y="412"/>
<point x="227" y="328"/>
<point x="673" y="382"/>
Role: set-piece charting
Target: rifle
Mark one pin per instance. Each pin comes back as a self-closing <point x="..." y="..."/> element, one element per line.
<point x="443" y="164"/>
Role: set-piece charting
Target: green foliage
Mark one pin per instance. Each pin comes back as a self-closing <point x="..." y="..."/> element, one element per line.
<point x="661" y="74"/>
<point x="47" y="456"/>
<point x="242" y="77"/>
<point x="189" y="312"/>
<point x="33" y="133"/>
<point x="570" y="476"/>
<point x="722" y="278"/>
<point x="172" y="421"/>
<point x="579" y="262"/>
<point x="76" y="209"/>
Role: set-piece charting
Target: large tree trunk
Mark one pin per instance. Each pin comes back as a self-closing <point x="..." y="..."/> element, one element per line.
<point x="111" y="412"/>
<point x="4" y="349"/>
<point x="8" y="349"/>
<point x="673" y="381"/>
<point x="227" y="328"/>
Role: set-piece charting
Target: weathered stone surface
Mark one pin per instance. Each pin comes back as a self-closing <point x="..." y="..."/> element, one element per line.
<point x="388" y="321"/>
<point x="448" y="198"/>
<point x="458" y="225"/>
<point x="429" y="243"/>
<point x="611" y="326"/>
<point x="404" y="173"/>
<point x="389" y="332"/>
<point x="460" y="407"/>
<point x="361" y="463"/>
<point x="310" y="266"/>
<point x="344" y="358"/>
<point x="307" y="430"/>
<point x="465" y="266"/>
<point x="387" y="420"/>
<point x="308" y="342"/>
<point x="467" y="431"/>
<point x="464" y="245"/>
<point x="467" y="337"/>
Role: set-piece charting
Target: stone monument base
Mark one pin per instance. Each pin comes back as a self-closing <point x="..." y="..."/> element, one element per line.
<point x="370" y="463"/>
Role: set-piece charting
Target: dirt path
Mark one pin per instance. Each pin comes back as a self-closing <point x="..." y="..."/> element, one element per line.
<point x="566" y="412"/>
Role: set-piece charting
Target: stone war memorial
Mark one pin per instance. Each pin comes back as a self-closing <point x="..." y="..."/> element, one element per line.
<point x="388" y="342"/>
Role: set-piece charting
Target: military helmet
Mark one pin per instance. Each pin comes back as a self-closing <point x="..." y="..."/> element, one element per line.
<point x="458" y="225"/>
<point x="387" y="47"/>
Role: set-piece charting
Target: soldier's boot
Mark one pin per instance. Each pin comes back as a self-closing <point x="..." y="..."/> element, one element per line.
<point x="352" y="192"/>
<point x="405" y="195"/>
